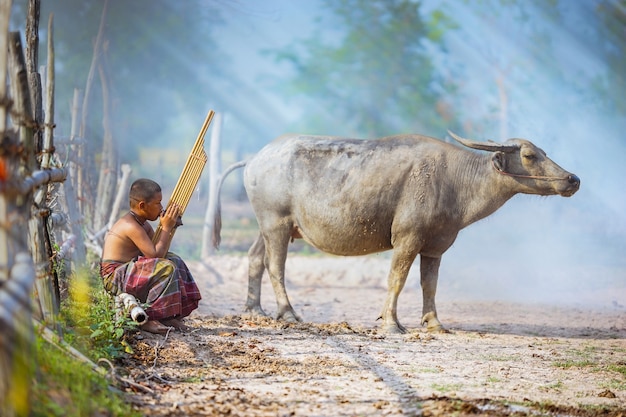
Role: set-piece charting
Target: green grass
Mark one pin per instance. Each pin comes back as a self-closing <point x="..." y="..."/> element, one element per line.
<point x="556" y="386"/>
<point x="500" y="358"/>
<point x="618" y="368"/>
<point x="574" y="363"/>
<point x="430" y="370"/>
<point x="446" y="387"/>
<point x="64" y="386"/>
<point x="578" y="358"/>
<point x="67" y="388"/>
<point x="614" y="384"/>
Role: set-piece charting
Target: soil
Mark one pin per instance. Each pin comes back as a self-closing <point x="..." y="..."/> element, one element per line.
<point x="500" y="358"/>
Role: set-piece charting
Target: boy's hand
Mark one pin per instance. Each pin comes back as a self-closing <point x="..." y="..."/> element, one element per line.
<point x="171" y="216"/>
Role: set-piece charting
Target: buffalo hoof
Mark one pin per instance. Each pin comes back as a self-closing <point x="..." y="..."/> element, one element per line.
<point x="255" y="311"/>
<point x="437" y="329"/>
<point x="433" y="325"/>
<point x="394" y="328"/>
<point x="289" y="317"/>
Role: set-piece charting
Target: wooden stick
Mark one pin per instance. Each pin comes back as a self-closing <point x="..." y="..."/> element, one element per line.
<point x="190" y="175"/>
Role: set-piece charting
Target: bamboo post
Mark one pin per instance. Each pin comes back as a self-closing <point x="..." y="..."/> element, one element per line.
<point x="23" y="117"/>
<point x="188" y="179"/>
<point x="34" y="78"/>
<point x="71" y="200"/>
<point x="121" y="192"/>
<point x="12" y="331"/>
<point x="49" y="113"/>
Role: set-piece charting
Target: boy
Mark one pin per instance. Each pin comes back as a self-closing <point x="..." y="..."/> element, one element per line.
<point x="133" y="264"/>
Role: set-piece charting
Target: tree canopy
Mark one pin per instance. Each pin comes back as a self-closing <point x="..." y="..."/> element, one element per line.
<point x="369" y="68"/>
<point x="156" y="53"/>
<point x="375" y="73"/>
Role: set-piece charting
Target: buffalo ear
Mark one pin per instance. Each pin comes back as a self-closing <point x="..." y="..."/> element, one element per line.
<point x="499" y="160"/>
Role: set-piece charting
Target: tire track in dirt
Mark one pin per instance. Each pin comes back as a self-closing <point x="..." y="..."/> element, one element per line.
<point x="246" y="366"/>
<point x="501" y="359"/>
<point x="402" y="393"/>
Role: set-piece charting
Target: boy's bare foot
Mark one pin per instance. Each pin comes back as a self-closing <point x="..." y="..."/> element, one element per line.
<point x="155" y="326"/>
<point x="177" y="324"/>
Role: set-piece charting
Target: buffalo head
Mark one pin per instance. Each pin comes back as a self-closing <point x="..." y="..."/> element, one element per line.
<point x="528" y="165"/>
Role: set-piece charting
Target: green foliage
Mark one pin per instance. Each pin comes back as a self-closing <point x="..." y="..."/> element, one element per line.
<point x="375" y="76"/>
<point x="91" y="322"/>
<point x="67" y="388"/>
<point x="155" y="49"/>
<point x="438" y="24"/>
<point x="108" y="330"/>
<point x="58" y="266"/>
<point x="612" y="21"/>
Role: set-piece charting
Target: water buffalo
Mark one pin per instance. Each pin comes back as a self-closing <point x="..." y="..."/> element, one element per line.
<point x="409" y="193"/>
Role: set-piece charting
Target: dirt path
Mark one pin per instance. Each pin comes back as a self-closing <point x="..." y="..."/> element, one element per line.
<point x="500" y="358"/>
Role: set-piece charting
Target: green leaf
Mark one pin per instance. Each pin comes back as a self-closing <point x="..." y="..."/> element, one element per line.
<point x="119" y="332"/>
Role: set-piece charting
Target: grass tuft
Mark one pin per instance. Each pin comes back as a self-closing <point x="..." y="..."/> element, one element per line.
<point x="64" y="386"/>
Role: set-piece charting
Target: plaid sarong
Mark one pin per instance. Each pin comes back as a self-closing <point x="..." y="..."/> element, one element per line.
<point x="164" y="284"/>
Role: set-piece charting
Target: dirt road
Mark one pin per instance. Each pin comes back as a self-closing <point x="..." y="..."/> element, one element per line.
<point x="500" y="358"/>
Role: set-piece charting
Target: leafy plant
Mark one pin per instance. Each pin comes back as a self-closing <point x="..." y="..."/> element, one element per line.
<point x="65" y="387"/>
<point x="92" y="324"/>
<point x="108" y="331"/>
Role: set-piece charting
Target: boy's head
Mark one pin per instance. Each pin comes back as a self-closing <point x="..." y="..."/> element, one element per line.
<point x="144" y="190"/>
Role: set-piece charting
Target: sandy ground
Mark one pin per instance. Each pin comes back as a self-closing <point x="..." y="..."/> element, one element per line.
<point x="500" y="358"/>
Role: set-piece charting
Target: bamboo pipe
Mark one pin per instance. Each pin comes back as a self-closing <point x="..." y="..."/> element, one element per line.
<point x="192" y="176"/>
<point x="189" y="177"/>
<point x="191" y="173"/>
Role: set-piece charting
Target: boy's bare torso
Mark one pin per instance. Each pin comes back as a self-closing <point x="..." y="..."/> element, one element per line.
<point x="120" y="241"/>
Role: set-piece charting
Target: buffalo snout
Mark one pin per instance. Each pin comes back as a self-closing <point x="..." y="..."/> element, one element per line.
<point x="573" y="184"/>
<point x="574" y="180"/>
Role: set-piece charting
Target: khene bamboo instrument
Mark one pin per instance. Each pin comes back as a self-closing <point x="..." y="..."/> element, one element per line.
<point x="190" y="176"/>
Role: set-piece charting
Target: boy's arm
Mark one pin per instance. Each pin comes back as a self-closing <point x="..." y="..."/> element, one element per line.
<point x="142" y="235"/>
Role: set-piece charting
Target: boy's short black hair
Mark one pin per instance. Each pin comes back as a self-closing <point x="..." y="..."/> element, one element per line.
<point x="143" y="189"/>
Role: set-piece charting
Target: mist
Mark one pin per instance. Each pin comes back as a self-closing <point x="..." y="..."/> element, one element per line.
<point x="534" y="249"/>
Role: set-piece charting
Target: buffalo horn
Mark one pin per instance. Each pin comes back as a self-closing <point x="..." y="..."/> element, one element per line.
<point x="484" y="146"/>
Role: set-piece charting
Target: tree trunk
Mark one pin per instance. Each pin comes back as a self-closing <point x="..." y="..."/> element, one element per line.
<point x="32" y="64"/>
<point x="108" y="166"/>
<point x="122" y="191"/>
<point x="84" y="182"/>
<point x="76" y="219"/>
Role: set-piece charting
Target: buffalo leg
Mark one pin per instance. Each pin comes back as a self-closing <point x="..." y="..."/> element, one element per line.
<point x="400" y="266"/>
<point x="276" y="245"/>
<point x="256" y="267"/>
<point x="429" y="270"/>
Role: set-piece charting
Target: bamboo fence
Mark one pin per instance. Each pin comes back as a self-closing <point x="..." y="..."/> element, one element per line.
<point x="27" y="168"/>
